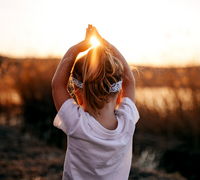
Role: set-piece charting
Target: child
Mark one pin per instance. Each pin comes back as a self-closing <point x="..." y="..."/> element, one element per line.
<point x="99" y="133"/>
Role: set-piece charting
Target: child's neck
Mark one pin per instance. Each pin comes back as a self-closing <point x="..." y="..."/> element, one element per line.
<point x="106" y="116"/>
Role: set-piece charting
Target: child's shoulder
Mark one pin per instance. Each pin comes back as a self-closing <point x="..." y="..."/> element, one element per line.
<point x="128" y="109"/>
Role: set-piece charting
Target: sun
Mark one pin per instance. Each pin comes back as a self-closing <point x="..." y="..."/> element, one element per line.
<point x="94" y="41"/>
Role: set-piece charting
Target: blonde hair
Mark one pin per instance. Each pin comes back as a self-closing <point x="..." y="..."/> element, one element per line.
<point x="98" y="70"/>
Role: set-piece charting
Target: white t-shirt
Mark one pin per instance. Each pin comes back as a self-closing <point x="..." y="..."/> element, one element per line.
<point x="94" y="152"/>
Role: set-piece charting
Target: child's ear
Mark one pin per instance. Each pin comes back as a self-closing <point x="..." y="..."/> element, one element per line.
<point x="79" y="97"/>
<point x="119" y="97"/>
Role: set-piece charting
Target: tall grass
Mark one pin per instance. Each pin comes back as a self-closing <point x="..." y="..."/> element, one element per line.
<point x="168" y="99"/>
<point x="169" y="102"/>
<point x="10" y="101"/>
<point x="31" y="79"/>
<point x="171" y="95"/>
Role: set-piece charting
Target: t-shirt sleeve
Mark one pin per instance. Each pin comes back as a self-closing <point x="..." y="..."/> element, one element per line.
<point x="127" y="106"/>
<point x="67" y="117"/>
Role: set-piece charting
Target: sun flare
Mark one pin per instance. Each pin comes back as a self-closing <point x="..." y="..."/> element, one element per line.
<point x="94" y="41"/>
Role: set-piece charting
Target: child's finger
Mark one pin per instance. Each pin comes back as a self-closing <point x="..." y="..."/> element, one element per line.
<point x="95" y="32"/>
<point x="90" y="26"/>
<point x="88" y="32"/>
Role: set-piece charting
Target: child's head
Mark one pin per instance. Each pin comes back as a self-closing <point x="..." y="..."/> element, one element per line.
<point x="98" y="70"/>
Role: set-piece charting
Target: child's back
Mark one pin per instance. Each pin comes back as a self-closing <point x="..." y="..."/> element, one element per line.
<point x="95" y="152"/>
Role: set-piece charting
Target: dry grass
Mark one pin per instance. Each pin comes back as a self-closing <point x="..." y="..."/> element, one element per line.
<point x="168" y="100"/>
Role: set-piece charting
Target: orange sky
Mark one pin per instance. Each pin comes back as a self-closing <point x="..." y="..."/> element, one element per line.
<point x="156" y="32"/>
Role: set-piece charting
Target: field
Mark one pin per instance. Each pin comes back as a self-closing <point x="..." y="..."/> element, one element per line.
<point x="167" y="137"/>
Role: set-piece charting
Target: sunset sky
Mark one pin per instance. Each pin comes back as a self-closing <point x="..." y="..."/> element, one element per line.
<point x="147" y="32"/>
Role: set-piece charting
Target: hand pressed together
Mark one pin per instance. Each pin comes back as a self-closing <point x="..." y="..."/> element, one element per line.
<point x="91" y="31"/>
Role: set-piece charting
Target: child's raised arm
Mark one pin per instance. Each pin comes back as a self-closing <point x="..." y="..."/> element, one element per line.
<point x="128" y="85"/>
<point x="62" y="74"/>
